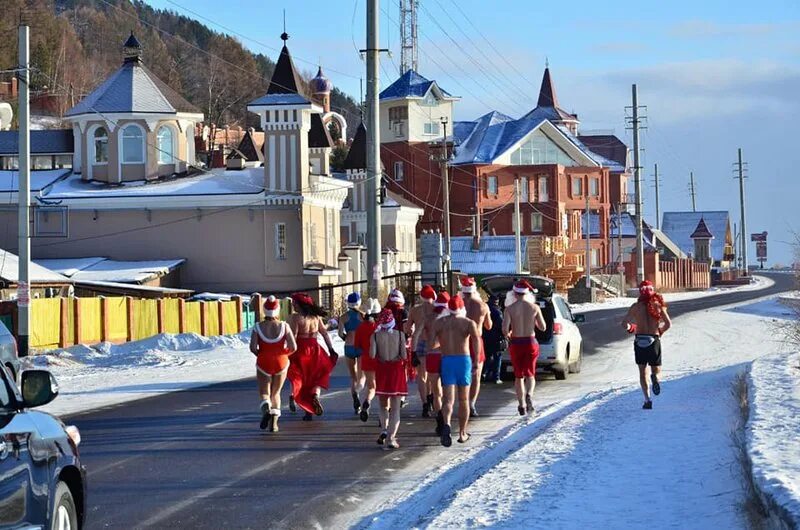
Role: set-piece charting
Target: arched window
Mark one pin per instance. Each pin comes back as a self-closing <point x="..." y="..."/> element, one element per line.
<point x="166" y="145"/>
<point x="132" y="145"/>
<point x="100" y="142"/>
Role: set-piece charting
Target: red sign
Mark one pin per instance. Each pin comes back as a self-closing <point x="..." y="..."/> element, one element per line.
<point x="23" y="294"/>
<point x="759" y="237"/>
<point x="761" y="250"/>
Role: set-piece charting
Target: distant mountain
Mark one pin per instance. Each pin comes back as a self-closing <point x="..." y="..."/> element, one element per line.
<point x="75" y="44"/>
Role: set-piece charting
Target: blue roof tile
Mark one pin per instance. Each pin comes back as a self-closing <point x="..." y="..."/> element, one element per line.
<point x="678" y="226"/>
<point x="47" y="141"/>
<point x="496" y="255"/>
<point x="410" y="85"/>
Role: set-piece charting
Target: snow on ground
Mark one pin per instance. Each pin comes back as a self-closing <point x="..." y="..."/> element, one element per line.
<point x="772" y="430"/>
<point x="759" y="282"/>
<point x="107" y="374"/>
<point x="593" y="458"/>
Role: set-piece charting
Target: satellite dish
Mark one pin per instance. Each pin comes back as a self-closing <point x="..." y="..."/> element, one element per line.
<point x="6" y="115"/>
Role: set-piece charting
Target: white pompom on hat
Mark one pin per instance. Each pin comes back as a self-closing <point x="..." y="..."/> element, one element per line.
<point x="272" y="307"/>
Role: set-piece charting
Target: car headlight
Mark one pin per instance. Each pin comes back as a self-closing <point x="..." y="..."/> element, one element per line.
<point x="74" y="434"/>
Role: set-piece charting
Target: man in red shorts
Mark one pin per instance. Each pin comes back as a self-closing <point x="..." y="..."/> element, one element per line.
<point x="433" y="356"/>
<point x="478" y="312"/>
<point x="521" y="319"/>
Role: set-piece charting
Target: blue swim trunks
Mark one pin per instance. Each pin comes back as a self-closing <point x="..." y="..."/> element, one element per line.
<point x="456" y="370"/>
<point x="351" y="351"/>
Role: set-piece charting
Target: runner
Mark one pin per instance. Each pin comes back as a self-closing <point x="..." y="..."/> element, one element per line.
<point x="648" y="320"/>
<point x="272" y="342"/>
<point x="362" y="341"/>
<point x="457" y="334"/>
<point x="478" y="312"/>
<point x="433" y="357"/>
<point x="494" y="342"/>
<point x="521" y="318"/>
<point x="311" y="367"/>
<point x="347" y="331"/>
<point x="396" y="303"/>
<point x="388" y="348"/>
<point x="413" y="328"/>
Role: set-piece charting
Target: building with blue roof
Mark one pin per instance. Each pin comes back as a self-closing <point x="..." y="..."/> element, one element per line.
<point x="680" y="226"/>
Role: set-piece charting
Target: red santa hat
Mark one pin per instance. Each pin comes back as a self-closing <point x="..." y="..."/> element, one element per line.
<point x="468" y="285"/>
<point x="427" y="292"/>
<point x="386" y="319"/>
<point x="523" y="287"/>
<point x="647" y="288"/>
<point x="397" y="297"/>
<point x="441" y="301"/>
<point x="456" y="306"/>
<point x="272" y="308"/>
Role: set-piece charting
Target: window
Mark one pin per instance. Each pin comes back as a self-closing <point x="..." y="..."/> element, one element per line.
<point x="294" y="115"/>
<point x="285" y="115"/>
<point x="577" y="187"/>
<point x="63" y="161"/>
<point x="41" y="162"/>
<point x="595" y="257"/>
<point x="399" y="129"/>
<point x="539" y="149"/>
<point x="523" y="189"/>
<point x="331" y="235"/>
<point x="100" y="146"/>
<point x="280" y="241"/>
<point x="491" y="185"/>
<point x="429" y="100"/>
<point x="536" y="222"/>
<point x="543" y="197"/>
<point x="166" y="145"/>
<point x="312" y="241"/>
<point x="398" y="171"/>
<point x="594" y="187"/>
<point x="431" y="128"/>
<point x="398" y="113"/>
<point x="132" y="145"/>
<point x="485" y="226"/>
<point x="361" y="238"/>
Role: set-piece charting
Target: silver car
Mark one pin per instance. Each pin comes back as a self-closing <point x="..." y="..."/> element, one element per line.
<point x="8" y="352"/>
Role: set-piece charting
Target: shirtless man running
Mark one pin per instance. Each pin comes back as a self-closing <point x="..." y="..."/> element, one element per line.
<point x="521" y="319"/>
<point x="478" y="312"/>
<point x="648" y="320"/>
<point x="413" y="328"/>
<point x="433" y="356"/>
<point x="457" y="335"/>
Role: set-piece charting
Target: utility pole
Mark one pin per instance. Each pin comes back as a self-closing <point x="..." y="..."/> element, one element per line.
<point x="621" y="267"/>
<point x="517" y="229"/>
<point x="658" y="209"/>
<point x="373" y="152"/>
<point x="24" y="195"/>
<point x="588" y="242"/>
<point x="637" y="172"/>
<point x="742" y="222"/>
<point x="446" y="188"/>
<point x="692" y="191"/>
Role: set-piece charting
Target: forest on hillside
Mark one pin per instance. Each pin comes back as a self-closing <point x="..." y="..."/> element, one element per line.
<point x="75" y="44"/>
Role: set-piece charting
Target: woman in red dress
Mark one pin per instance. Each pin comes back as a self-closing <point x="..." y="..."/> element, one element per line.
<point x="310" y="368"/>
<point x="272" y="342"/>
<point x="388" y="348"/>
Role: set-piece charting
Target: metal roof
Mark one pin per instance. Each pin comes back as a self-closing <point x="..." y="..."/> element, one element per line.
<point x="9" y="271"/>
<point x="496" y="254"/>
<point x="410" y="85"/>
<point x="47" y="141"/>
<point x="608" y="146"/>
<point x="678" y="226"/>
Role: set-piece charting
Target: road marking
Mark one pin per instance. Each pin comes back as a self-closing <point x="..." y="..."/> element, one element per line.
<point x="229" y="420"/>
<point x="204" y="494"/>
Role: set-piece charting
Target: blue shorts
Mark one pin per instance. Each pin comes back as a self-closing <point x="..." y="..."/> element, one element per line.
<point x="456" y="370"/>
<point x="351" y="352"/>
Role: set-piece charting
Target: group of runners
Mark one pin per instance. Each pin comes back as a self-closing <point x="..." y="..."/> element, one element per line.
<point x="440" y="343"/>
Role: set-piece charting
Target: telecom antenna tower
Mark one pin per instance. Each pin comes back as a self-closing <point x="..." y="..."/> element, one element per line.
<point x="408" y="35"/>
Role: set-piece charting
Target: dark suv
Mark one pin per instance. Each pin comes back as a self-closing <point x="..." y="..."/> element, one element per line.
<point x="42" y="482"/>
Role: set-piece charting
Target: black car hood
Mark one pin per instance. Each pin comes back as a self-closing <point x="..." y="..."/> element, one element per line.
<point x="500" y="285"/>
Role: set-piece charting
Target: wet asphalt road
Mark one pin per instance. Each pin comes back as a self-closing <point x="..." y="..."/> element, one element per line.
<point x="196" y="459"/>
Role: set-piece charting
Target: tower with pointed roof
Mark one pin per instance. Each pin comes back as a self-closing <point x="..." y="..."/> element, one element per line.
<point x="702" y="237"/>
<point x="547" y="106"/>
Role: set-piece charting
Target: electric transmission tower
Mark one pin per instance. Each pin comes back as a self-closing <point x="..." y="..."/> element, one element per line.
<point x="408" y="35"/>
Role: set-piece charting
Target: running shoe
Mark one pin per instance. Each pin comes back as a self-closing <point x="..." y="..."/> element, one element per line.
<point x="426" y="410"/>
<point x="656" y="384"/>
<point x="264" y="415"/>
<point x="307" y="416"/>
<point x="356" y="402"/>
<point x="292" y="406"/>
<point x="648" y="405"/>
<point x="521" y="410"/>
<point x="382" y="438"/>
<point x="403" y="403"/>
<point x="446" y="439"/>
<point x="317" y="406"/>
<point x="529" y="404"/>
<point x="273" y="423"/>
<point x="430" y="400"/>
<point x="439" y="423"/>
<point x="364" y="414"/>
<point x="498" y="381"/>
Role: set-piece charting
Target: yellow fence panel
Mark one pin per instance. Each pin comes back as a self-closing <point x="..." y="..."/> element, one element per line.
<point x="172" y="321"/>
<point x="212" y="319"/>
<point x="117" y="319"/>
<point x="229" y="325"/>
<point x="69" y="340"/>
<point x="145" y="319"/>
<point x="91" y="323"/>
<point x="192" y="314"/>
<point x="45" y="322"/>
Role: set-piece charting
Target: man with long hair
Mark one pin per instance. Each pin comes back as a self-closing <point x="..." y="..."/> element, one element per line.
<point x="310" y="367"/>
<point x="647" y="320"/>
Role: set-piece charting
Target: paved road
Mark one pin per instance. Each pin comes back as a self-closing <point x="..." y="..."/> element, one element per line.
<point x="196" y="459"/>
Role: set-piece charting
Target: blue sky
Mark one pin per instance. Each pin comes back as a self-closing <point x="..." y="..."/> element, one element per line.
<point x="715" y="75"/>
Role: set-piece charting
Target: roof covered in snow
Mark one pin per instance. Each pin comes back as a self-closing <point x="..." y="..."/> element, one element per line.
<point x="9" y="271"/>
<point x="412" y="85"/>
<point x="44" y="142"/>
<point x="107" y="270"/>
<point x="9" y="179"/>
<point x="495" y="255"/>
<point x="679" y="227"/>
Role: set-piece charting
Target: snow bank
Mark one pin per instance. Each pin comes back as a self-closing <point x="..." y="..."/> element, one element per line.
<point x="772" y="432"/>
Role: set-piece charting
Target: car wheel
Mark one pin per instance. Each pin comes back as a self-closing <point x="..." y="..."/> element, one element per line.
<point x="575" y="368"/>
<point x="64" y="515"/>
<point x="560" y="374"/>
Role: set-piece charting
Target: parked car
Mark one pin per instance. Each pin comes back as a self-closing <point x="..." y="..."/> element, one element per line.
<point x="561" y="344"/>
<point x="8" y="351"/>
<point x="42" y="481"/>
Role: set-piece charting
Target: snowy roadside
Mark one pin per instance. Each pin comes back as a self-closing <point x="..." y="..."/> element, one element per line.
<point x="594" y="458"/>
<point x="772" y="432"/>
<point x="108" y="374"/>
<point x="759" y="283"/>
